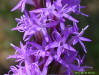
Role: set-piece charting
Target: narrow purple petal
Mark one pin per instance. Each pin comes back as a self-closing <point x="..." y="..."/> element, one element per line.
<point x="51" y="45"/>
<point x="70" y="18"/>
<point x="17" y="6"/>
<point x="68" y="47"/>
<point x="85" y="39"/>
<point x="83" y="46"/>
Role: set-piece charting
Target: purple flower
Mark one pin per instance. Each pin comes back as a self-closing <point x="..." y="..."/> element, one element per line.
<point x="30" y="55"/>
<point x="30" y="26"/>
<point x="48" y="37"/>
<point x="60" y="44"/>
<point x="79" y="38"/>
<point x="58" y="11"/>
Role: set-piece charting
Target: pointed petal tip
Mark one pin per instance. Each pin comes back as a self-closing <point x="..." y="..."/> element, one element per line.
<point x="13" y="29"/>
<point x="11" y="10"/>
<point x="12" y="44"/>
<point x="85" y="39"/>
<point x="86" y="27"/>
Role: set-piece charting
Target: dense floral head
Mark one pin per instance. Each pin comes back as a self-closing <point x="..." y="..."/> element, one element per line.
<point x="50" y="35"/>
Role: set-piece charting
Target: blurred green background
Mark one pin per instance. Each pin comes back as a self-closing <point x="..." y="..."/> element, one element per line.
<point x="7" y="21"/>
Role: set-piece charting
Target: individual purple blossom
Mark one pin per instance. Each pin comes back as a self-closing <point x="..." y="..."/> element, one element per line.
<point x="79" y="38"/>
<point x="56" y="10"/>
<point x="60" y="44"/>
<point x="24" y="55"/>
<point x="31" y="26"/>
<point x="48" y="37"/>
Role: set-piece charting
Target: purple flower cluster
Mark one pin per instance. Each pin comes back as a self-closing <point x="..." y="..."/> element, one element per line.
<point x="48" y="37"/>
